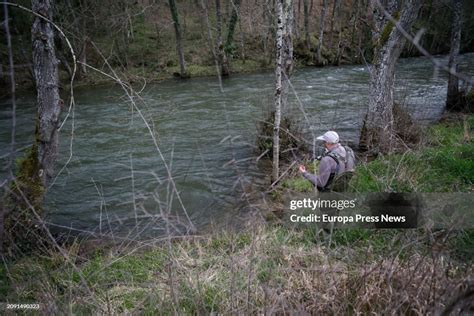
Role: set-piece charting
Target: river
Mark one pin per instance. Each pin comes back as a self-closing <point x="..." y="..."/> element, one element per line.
<point x="116" y="182"/>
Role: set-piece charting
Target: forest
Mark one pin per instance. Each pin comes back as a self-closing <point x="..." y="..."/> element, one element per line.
<point x="183" y="157"/>
<point x="138" y="38"/>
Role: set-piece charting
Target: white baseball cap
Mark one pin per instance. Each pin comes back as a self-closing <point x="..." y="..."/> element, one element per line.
<point x="329" y="137"/>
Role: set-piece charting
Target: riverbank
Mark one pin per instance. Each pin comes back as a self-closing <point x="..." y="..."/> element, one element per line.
<point x="442" y="162"/>
<point x="144" y="48"/>
<point x="270" y="268"/>
<point x="140" y="75"/>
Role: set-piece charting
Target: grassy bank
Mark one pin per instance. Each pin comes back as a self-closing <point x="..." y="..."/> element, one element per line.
<point x="265" y="269"/>
<point x="445" y="163"/>
<point x="271" y="268"/>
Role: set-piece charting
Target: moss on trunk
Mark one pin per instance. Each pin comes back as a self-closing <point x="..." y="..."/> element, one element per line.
<point x="22" y="229"/>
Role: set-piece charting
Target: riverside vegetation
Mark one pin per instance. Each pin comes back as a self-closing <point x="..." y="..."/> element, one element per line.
<point x="271" y="268"/>
<point x="138" y="39"/>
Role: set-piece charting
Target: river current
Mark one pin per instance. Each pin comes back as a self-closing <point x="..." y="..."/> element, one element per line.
<point x="116" y="181"/>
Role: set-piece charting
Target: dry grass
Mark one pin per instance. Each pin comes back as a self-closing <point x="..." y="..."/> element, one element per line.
<point x="264" y="269"/>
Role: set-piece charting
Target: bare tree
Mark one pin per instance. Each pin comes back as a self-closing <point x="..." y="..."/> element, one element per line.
<point x="35" y="171"/>
<point x="229" y="43"/>
<point x="219" y="45"/>
<point x="49" y="104"/>
<point x="284" y="66"/>
<point x="377" y="134"/>
<point x="288" y="29"/>
<point x="321" y="32"/>
<point x="210" y="42"/>
<point x="306" y="23"/>
<point x="179" y="41"/>
<point x="278" y="88"/>
<point x="83" y="55"/>
<point x="453" y="100"/>
<point x="335" y="9"/>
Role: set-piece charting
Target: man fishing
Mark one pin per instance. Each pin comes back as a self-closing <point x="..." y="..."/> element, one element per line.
<point x="336" y="160"/>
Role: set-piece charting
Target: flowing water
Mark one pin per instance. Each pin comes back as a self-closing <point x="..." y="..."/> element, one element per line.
<point x="116" y="180"/>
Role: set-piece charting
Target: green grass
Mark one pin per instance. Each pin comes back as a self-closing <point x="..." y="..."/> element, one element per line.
<point x="380" y="242"/>
<point x="127" y="269"/>
<point x="299" y="184"/>
<point x="463" y="245"/>
<point x="446" y="165"/>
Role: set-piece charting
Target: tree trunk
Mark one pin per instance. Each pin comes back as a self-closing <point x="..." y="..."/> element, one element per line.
<point x="378" y="133"/>
<point x="242" y="41"/>
<point x="229" y="43"/>
<point x="297" y="17"/>
<point x="288" y="28"/>
<point x="45" y="67"/>
<point x="267" y="21"/>
<point x="355" y="20"/>
<point x="306" y="23"/>
<point x="335" y="8"/>
<point x="340" y="49"/>
<point x="296" y="28"/>
<point x="321" y="33"/>
<point x="278" y="90"/>
<point x="453" y="100"/>
<point x="62" y="58"/>
<point x="283" y="69"/>
<point x="219" y="44"/>
<point x="83" y="56"/>
<point x="179" y="42"/>
<point x="269" y="13"/>
<point x="232" y="23"/>
<point x="210" y="42"/>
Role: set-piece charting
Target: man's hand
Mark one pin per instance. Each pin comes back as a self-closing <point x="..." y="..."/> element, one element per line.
<point x="302" y="168"/>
